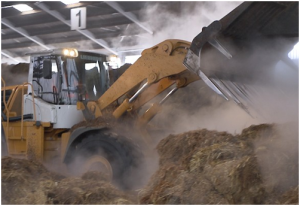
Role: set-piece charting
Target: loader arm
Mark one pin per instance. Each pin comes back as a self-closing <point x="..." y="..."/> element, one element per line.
<point x="156" y="70"/>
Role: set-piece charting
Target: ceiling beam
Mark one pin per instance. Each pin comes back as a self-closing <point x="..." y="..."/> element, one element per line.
<point x="6" y="44"/>
<point x="63" y="28"/>
<point x="17" y="45"/>
<point x="128" y="15"/>
<point x="24" y="33"/>
<point x="83" y="32"/>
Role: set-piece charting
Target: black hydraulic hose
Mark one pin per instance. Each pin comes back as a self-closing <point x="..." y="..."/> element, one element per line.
<point x="40" y="86"/>
<point x="17" y="118"/>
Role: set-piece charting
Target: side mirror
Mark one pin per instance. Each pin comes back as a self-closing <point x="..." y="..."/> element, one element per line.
<point x="47" y="69"/>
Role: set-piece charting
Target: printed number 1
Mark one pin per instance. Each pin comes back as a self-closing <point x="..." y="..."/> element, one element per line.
<point x="79" y="14"/>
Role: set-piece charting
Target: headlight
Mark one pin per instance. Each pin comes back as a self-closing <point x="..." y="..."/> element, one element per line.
<point x="70" y="52"/>
<point x="114" y="61"/>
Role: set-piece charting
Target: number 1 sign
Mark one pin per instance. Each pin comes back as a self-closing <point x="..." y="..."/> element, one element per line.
<point x="78" y="18"/>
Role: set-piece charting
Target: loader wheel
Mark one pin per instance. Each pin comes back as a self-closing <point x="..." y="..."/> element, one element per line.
<point x="110" y="153"/>
<point x="98" y="163"/>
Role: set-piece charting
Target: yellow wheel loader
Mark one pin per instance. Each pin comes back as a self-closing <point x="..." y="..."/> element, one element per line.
<point x="71" y="114"/>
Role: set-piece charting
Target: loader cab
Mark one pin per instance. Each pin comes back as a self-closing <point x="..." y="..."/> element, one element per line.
<point x="67" y="76"/>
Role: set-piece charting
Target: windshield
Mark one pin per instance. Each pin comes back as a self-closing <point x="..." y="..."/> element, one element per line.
<point x="85" y="77"/>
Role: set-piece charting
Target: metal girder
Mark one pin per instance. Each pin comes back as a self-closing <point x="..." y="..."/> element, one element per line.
<point x="24" y="33"/>
<point x="128" y="15"/>
<point x="17" y="45"/>
<point x="64" y="28"/>
<point x="9" y="56"/>
<point x="83" y="32"/>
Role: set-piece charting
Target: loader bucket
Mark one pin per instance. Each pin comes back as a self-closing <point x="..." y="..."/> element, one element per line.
<point x="230" y="53"/>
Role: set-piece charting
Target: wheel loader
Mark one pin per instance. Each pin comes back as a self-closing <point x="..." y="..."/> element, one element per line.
<point x="71" y="113"/>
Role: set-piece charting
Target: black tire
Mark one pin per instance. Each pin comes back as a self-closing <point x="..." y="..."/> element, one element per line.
<point x="122" y="154"/>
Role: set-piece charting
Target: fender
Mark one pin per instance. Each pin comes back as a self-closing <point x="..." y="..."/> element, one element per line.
<point x="76" y="135"/>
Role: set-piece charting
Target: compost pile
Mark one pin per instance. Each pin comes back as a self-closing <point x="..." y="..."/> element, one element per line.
<point x="209" y="167"/>
<point x="29" y="182"/>
<point x="258" y="166"/>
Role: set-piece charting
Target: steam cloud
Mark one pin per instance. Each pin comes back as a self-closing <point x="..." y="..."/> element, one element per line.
<point x="184" y="21"/>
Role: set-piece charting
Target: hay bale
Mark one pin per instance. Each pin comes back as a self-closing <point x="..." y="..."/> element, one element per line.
<point x="164" y="186"/>
<point x="277" y="152"/>
<point x="216" y="173"/>
<point x="209" y="167"/>
<point x="29" y="182"/>
<point x="24" y="181"/>
<point x="91" y="188"/>
<point x="180" y="148"/>
<point x="290" y="197"/>
<point x="258" y="131"/>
